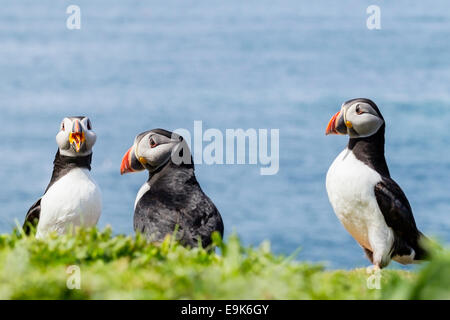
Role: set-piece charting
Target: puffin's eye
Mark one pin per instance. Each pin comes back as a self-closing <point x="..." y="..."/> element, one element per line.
<point x="358" y="110"/>
<point x="63" y="128"/>
<point x="89" y="125"/>
<point x="153" y="143"/>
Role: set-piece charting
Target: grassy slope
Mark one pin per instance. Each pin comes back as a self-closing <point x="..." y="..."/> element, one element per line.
<point x="123" y="267"/>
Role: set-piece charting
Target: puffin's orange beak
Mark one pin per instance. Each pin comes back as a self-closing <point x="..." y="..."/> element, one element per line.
<point x="125" y="167"/>
<point x="332" y="127"/>
<point x="76" y="137"/>
<point x="130" y="163"/>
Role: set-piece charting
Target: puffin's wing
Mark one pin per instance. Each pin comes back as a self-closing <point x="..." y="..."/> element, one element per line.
<point x="397" y="213"/>
<point x="155" y="217"/>
<point x="32" y="217"/>
<point x="158" y="212"/>
<point x="207" y="218"/>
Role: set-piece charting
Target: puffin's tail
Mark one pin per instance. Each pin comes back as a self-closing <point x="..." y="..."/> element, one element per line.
<point x="421" y="248"/>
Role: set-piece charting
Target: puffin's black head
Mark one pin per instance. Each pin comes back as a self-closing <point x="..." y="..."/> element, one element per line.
<point x="153" y="149"/>
<point x="359" y="118"/>
<point x="75" y="137"/>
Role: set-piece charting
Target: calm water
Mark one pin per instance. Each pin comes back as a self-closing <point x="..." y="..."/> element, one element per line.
<point x="137" y="65"/>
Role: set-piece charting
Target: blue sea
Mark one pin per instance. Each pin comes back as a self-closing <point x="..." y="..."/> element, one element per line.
<point x="263" y="64"/>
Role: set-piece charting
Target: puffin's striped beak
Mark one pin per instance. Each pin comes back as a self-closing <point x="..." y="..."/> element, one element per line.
<point x="125" y="167"/>
<point x="76" y="137"/>
<point x="336" y="125"/>
<point x="130" y="163"/>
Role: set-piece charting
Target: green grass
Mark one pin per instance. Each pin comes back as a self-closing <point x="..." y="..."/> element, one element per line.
<point x="124" y="267"/>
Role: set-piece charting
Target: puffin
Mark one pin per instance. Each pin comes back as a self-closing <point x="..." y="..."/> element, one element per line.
<point x="171" y="201"/>
<point x="72" y="198"/>
<point x="369" y="203"/>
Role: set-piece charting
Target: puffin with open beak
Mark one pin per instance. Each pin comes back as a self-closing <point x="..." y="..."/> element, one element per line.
<point x="171" y="199"/>
<point x="72" y="198"/>
<point x="368" y="202"/>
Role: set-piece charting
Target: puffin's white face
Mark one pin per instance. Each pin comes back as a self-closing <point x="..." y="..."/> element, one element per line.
<point x="153" y="149"/>
<point x="75" y="137"/>
<point x="358" y="118"/>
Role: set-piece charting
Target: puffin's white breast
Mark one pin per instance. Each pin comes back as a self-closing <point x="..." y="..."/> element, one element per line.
<point x="350" y="186"/>
<point x="74" y="200"/>
<point x="143" y="190"/>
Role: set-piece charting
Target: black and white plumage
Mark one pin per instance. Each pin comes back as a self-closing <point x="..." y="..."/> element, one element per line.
<point x="72" y="198"/>
<point x="368" y="202"/>
<point x="172" y="197"/>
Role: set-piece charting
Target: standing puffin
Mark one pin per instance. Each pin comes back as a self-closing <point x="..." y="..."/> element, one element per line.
<point x="171" y="198"/>
<point x="72" y="198"/>
<point x="368" y="202"/>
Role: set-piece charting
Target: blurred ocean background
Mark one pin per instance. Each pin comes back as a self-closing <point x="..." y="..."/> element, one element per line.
<point x="288" y="64"/>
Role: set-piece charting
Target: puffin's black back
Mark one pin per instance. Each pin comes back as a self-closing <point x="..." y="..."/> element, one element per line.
<point x="61" y="166"/>
<point x="398" y="215"/>
<point x="176" y="199"/>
